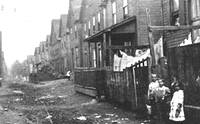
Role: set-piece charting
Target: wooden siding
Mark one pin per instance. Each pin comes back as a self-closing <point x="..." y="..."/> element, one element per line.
<point x="184" y="62"/>
<point x="174" y="38"/>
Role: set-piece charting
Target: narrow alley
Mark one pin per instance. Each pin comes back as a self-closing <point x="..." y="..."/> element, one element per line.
<point x="56" y="102"/>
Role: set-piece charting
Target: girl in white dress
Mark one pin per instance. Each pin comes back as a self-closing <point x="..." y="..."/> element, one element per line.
<point x="176" y="114"/>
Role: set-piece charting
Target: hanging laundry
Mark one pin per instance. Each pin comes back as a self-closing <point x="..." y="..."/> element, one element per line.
<point x="158" y="50"/>
<point x="186" y="41"/>
<point x="197" y="40"/>
<point x="125" y="61"/>
<point x="117" y="62"/>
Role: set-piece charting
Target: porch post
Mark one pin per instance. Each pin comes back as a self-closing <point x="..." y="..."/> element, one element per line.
<point x="104" y="50"/>
<point x="95" y="46"/>
<point x="89" y="54"/>
<point x="110" y="50"/>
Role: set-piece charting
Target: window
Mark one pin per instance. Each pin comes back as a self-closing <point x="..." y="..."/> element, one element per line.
<point x="89" y="28"/>
<point x="70" y="30"/>
<point x="75" y="31"/>
<point x="195" y="9"/>
<point x="125" y="9"/>
<point x="114" y="18"/>
<point x="94" y="58"/>
<point x="175" y="12"/>
<point x="93" y="24"/>
<point x="99" y="20"/>
<point x="128" y="51"/>
<point x="104" y="17"/>
<point x="85" y="27"/>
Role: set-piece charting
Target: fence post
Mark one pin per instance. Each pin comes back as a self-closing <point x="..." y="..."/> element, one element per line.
<point x="149" y="68"/>
<point x="135" y="88"/>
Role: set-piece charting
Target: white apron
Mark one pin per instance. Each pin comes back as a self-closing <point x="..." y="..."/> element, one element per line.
<point x="178" y="98"/>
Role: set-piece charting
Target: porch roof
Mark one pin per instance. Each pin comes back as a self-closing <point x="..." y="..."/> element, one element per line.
<point x="113" y="27"/>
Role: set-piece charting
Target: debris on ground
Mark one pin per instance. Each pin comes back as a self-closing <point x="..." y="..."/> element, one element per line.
<point x="18" y="92"/>
<point x="46" y="97"/>
<point x="110" y="114"/>
<point x="48" y="117"/>
<point x="93" y="101"/>
<point x="83" y="118"/>
<point x="58" y="103"/>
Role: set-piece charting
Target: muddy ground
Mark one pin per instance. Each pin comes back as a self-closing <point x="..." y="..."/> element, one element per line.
<point x="56" y="102"/>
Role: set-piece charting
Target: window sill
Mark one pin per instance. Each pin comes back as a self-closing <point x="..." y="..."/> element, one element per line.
<point x="195" y="19"/>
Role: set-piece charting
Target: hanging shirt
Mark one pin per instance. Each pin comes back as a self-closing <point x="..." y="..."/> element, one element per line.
<point x="152" y="87"/>
<point x="160" y="93"/>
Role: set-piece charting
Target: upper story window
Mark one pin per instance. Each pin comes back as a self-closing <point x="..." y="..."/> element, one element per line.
<point x="88" y="28"/>
<point x="175" y="12"/>
<point x="195" y="12"/>
<point x="114" y="17"/>
<point x="85" y="28"/>
<point x="99" y="21"/>
<point x="75" y="31"/>
<point x="104" y="17"/>
<point x="93" y="24"/>
<point x="70" y="30"/>
<point x="125" y="9"/>
<point x="195" y="9"/>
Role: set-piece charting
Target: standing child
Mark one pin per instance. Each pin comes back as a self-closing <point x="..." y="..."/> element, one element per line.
<point x="176" y="114"/>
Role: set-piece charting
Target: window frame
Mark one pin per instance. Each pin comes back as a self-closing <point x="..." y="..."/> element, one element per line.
<point x="104" y="17"/>
<point x="114" y="12"/>
<point x="196" y="9"/>
<point x="89" y="28"/>
<point x="195" y="20"/>
<point x="75" y="31"/>
<point x="125" y="9"/>
<point x="93" y="23"/>
<point x="174" y="13"/>
<point x="98" y="21"/>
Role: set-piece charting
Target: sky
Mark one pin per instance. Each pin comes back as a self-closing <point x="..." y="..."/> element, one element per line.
<point x="25" y="23"/>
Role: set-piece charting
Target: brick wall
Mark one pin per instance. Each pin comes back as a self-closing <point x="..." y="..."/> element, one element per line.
<point x="155" y="15"/>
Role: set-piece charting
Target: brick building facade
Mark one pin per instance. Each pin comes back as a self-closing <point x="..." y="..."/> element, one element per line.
<point x="104" y="27"/>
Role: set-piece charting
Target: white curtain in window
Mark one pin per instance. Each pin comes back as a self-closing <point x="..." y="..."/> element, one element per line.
<point x="125" y="3"/>
<point x="94" y="58"/>
<point x="114" y="7"/>
<point x="93" y="21"/>
<point x="195" y="8"/>
<point x="176" y="5"/>
<point x="89" y="24"/>
<point x="104" y="17"/>
<point x="99" y="17"/>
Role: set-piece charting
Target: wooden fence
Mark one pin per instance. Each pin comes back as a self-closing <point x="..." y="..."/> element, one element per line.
<point x="90" y="81"/>
<point x="129" y="88"/>
<point x="184" y="62"/>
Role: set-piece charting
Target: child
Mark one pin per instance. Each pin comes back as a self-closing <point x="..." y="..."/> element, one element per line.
<point x="176" y="114"/>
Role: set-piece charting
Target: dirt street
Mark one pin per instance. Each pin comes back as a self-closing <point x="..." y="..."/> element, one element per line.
<point x="56" y="102"/>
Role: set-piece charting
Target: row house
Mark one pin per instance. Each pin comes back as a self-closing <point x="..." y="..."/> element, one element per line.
<point x="47" y="48"/>
<point x="60" y="55"/>
<point x="41" y="55"/>
<point x="31" y="63"/>
<point x="75" y="29"/>
<point x="64" y="44"/>
<point x="103" y="27"/>
<point x="57" y="44"/>
<point x="54" y="44"/>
